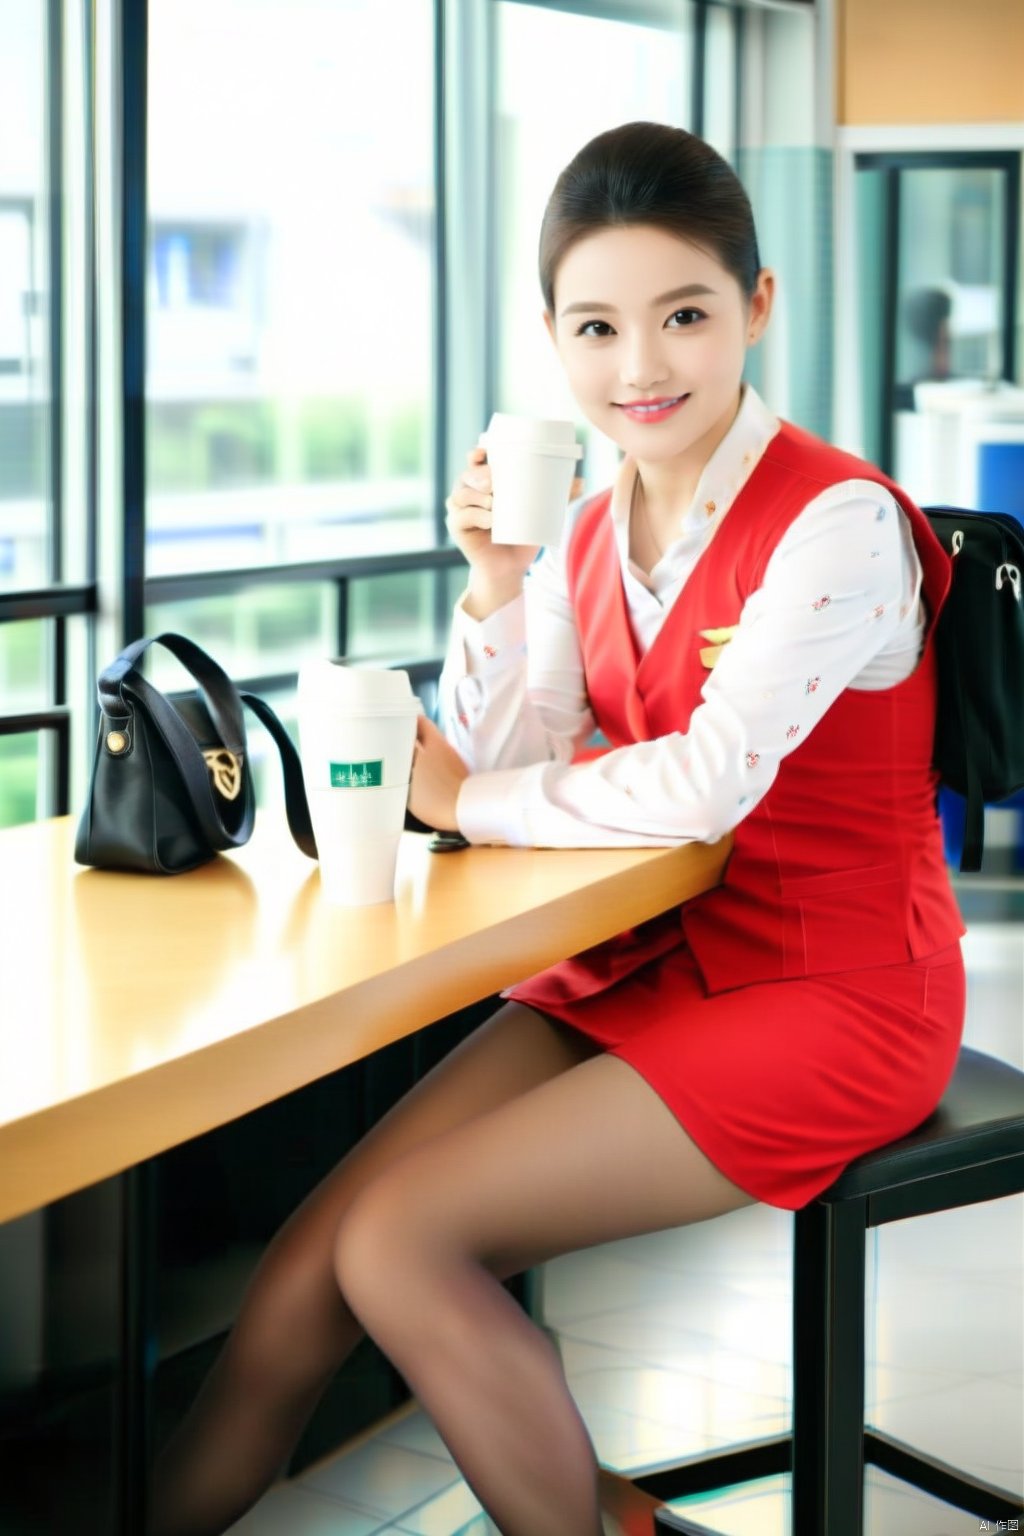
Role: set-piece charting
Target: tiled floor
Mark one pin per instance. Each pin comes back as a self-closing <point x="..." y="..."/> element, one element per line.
<point x="679" y="1342"/>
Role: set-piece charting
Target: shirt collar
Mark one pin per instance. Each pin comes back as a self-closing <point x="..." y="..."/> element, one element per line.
<point x="724" y="475"/>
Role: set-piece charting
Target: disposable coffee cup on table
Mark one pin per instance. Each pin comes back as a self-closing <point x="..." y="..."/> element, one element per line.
<point x="533" y="464"/>
<point x="357" y="730"/>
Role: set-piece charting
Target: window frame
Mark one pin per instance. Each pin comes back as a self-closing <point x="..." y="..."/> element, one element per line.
<point x="892" y="163"/>
<point x="109" y="54"/>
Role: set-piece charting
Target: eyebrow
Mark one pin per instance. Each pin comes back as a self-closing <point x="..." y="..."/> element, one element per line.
<point x="689" y="291"/>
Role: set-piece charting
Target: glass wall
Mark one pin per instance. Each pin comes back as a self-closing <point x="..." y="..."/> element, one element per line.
<point x="29" y="328"/>
<point x="937" y="259"/>
<point x="290" y="281"/>
<point x="25" y="431"/>
<point x="952" y="284"/>
<point x="305" y="317"/>
<point x="23" y="688"/>
<point x="601" y="72"/>
<point x="721" y="59"/>
<point x="785" y="162"/>
<point x="291" y="330"/>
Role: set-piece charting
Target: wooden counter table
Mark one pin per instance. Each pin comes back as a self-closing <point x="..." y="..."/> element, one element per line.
<point x="137" y="1011"/>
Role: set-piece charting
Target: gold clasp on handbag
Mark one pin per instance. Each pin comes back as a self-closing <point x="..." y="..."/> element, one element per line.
<point x="225" y="772"/>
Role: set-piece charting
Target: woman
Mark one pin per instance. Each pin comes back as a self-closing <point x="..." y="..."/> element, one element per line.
<point x="745" y="617"/>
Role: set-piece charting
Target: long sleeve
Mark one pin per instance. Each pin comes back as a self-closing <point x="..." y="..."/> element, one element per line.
<point x="504" y="704"/>
<point x="839" y="606"/>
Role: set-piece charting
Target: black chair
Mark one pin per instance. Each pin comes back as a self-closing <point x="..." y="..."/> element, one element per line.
<point x="970" y="1150"/>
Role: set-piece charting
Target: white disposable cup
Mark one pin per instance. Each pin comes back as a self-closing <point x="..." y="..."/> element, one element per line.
<point x="357" y="730"/>
<point x="533" y="463"/>
<point x="358" y="832"/>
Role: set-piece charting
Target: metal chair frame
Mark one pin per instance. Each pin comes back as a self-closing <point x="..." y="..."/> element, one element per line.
<point x="969" y="1151"/>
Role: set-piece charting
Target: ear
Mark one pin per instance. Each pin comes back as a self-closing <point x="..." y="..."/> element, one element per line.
<point x="550" y="323"/>
<point x="760" y="305"/>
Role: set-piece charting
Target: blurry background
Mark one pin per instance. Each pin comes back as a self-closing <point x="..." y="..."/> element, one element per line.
<point x="266" y="268"/>
<point x="244" y="345"/>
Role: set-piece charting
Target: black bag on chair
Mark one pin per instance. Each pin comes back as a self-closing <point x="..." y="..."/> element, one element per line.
<point x="171" y="781"/>
<point x="979" y="642"/>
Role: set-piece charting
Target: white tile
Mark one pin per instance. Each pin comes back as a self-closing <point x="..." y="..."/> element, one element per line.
<point x="753" y="1509"/>
<point x="720" y="1248"/>
<point x="887" y="1384"/>
<point x="948" y="1326"/>
<point x="892" y="1508"/>
<point x="763" y="1509"/>
<point x="415" y="1432"/>
<point x="640" y="1417"/>
<point x="382" y="1479"/>
<point x="754" y="1323"/>
<point x="994" y="957"/>
<point x="296" y="1511"/>
<point x="659" y="1332"/>
<point x="993" y="948"/>
<point x="624" y="1442"/>
<point x="582" y="1283"/>
<point x="682" y="1268"/>
<point x="684" y="1354"/>
<point x="981" y="1242"/>
<point x="453" y="1510"/>
<point x="977" y="1426"/>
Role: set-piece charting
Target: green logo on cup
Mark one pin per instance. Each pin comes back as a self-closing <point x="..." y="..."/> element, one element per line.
<point x="357" y="775"/>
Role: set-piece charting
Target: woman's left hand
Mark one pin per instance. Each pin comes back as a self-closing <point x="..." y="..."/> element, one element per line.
<point x="437" y="776"/>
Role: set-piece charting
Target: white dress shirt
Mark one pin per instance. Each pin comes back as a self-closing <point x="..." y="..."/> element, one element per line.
<point x="839" y="607"/>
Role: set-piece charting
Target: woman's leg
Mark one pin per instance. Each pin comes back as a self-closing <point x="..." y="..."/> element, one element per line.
<point x="583" y="1158"/>
<point x="293" y="1328"/>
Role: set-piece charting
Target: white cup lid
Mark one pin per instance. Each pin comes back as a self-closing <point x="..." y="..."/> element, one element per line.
<point x="544" y="434"/>
<point x="374" y="690"/>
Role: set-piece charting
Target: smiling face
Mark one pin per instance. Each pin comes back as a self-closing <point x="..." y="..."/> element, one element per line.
<point x="652" y="332"/>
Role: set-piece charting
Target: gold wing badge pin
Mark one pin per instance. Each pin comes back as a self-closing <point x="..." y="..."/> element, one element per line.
<point x="717" y="640"/>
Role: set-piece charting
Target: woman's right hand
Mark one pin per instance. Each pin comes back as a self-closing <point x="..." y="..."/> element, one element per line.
<point x="496" y="571"/>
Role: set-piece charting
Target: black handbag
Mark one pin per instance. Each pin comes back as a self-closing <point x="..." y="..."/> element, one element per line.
<point x="171" y="782"/>
<point x="979" y="643"/>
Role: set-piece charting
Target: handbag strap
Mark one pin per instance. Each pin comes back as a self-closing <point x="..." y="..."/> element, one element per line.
<point x="295" y="802"/>
<point x="974" y="812"/>
<point x="121" y="685"/>
<point x="220" y="695"/>
<point x="191" y="764"/>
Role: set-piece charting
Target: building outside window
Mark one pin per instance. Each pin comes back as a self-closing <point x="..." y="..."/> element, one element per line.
<point x="299" y="295"/>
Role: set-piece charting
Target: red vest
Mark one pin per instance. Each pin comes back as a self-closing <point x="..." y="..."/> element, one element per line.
<point x="840" y="866"/>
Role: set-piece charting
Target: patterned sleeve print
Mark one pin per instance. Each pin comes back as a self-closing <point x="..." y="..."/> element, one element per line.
<point x="832" y="599"/>
<point x="497" y="710"/>
<point x="838" y="607"/>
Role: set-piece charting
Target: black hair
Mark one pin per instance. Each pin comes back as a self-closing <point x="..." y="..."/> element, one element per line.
<point x="925" y="311"/>
<point x="650" y="173"/>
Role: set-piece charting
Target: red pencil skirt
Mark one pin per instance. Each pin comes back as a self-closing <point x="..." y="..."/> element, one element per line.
<point x="781" y="1084"/>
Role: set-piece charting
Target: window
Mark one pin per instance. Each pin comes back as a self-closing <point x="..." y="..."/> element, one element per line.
<point x="290" y="281"/>
<point x="33" y="723"/>
<point x="25" y="407"/>
<point x="719" y="80"/>
<point x="562" y="78"/>
<point x="938" y="255"/>
<point x="315" y="342"/>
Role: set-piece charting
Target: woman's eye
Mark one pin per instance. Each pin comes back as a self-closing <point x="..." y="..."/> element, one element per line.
<point x="685" y="317"/>
<point x="594" y="328"/>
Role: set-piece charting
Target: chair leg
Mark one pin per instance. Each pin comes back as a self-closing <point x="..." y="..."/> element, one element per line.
<point x="828" y="1369"/>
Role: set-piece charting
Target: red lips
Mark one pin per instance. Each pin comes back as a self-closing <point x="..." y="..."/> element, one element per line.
<point x="653" y="410"/>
